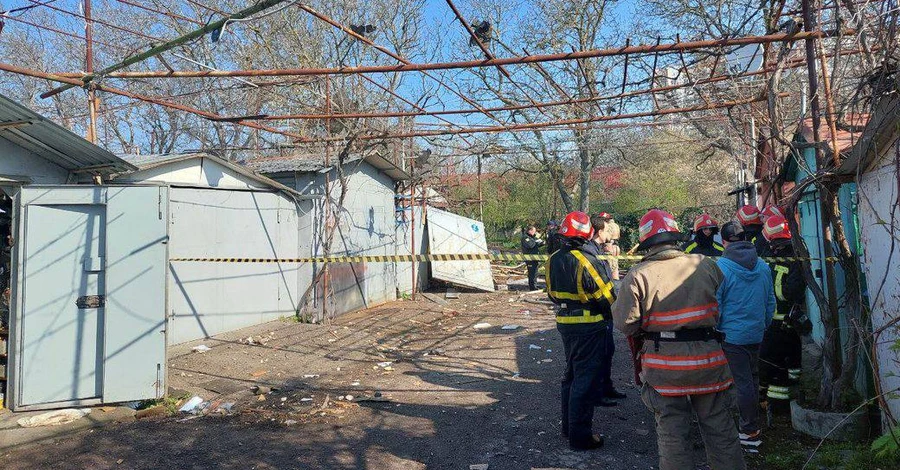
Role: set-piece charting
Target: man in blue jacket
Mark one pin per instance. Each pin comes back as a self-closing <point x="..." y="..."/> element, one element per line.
<point x="746" y="307"/>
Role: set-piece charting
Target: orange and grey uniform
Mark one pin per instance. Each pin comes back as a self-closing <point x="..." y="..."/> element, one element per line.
<point x="669" y="299"/>
<point x="780" y="353"/>
<point x="578" y="284"/>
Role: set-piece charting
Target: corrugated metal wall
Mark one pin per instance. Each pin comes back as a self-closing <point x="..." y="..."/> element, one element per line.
<point x="366" y="226"/>
<point x="879" y="190"/>
<point x="210" y="298"/>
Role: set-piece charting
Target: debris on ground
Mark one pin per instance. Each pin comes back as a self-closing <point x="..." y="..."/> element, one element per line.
<point x="510" y="327"/>
<point x="481" y="326"/>
<point x="202" y="348"/>
<point x="259" y="340"/>
<point x="191" y="405"/>
<point x="451" y="293"/>
<point x="54" y="418"/>
<point x="152" y="412"/>
<point x="260" y="389"/>
<point x="435" y="299"/>
<point x="478" y="466"/>
<point x="534" y="346"/>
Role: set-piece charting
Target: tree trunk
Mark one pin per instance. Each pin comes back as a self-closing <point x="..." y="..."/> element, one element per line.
<point x="584" y="180"/>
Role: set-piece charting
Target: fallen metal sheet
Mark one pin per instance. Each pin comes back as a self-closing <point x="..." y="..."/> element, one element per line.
<point x="449" y="233"/>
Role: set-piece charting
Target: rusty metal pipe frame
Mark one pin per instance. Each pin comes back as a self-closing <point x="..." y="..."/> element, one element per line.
<point x="561" y="122"/>
<point x="422" y="112"/>
<point x="518" y="60"/>
<point x="393" y="55"/>
<point x="148" y="99"/>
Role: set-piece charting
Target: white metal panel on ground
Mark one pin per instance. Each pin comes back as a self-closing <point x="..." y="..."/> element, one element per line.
<point x="879" y="223"/>
<point x="449" y="233"/>
<point x="211" y="298"/>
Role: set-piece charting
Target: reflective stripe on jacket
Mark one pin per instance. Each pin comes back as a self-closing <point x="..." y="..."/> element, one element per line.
<point x="696" y="248"/>
<point x="790" y="287"/>
<point x="578" y="283"/>
<point x="669" y="291"/>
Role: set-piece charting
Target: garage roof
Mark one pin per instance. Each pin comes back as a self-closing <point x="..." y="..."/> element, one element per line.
<point x="53" y="142"/>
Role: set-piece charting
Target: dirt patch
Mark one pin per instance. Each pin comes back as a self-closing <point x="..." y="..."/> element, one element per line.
<point x="405" y="386"/>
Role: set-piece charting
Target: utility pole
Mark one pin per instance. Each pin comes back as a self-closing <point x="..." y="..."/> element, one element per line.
<point x="89" y="68"/>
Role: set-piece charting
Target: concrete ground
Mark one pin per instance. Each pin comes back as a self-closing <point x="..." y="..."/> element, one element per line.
<point x="452" y="396"/>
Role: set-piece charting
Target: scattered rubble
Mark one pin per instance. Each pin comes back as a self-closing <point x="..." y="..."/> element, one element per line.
<point x="201" y="348"/>
<point x="481" y="326"/>
<point x="54" y="418"/>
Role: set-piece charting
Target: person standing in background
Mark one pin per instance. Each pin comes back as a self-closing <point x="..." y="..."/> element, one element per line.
<point x="612" y="248"/>
<point x="531" y="245"/>
<point x="553" y="242"/>
<point x="746" y="306"/>
<point x="605" y="392"/>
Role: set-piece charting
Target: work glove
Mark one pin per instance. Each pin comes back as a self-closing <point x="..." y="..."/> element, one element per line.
<point x="799" y="320"/>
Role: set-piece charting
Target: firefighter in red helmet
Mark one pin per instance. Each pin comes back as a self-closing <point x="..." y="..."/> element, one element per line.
<point x="669" y="300"/>
<point x="705" y="228"/>
<point x="781" y="350"/>
<point x="751" y="220"/>
<point x="577" y="283"/>
<point x="770" y="211"/>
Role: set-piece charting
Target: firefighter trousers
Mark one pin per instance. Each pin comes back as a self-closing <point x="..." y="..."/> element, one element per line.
<point x="532" y="274"/>
<point x="585" y="349"/>
<point x="603" y="384"/>
<point x="779" y="365"/>
<point x="673" y="429"/>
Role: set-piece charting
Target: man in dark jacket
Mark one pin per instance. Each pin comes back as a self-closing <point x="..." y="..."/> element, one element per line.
<point x="578" y="285"/>
<point x="531" y="245"/>
<point x="781" y="350"/>
<point x="705" y="228"/>
<point x="553" y="239"/>
<point x="746" y="306"/>
<point x="605" y="392"/>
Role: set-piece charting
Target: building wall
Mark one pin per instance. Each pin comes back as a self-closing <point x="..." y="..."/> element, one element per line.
<point x="367" y="225"/>
<point x="206" y="299"/>
<point x="879" y="224"/>
<point x="195" y="172"/>
<point x="18" y="162"/>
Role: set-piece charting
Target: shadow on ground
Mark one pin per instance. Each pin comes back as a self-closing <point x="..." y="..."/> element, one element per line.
<point x="458" y="396"/>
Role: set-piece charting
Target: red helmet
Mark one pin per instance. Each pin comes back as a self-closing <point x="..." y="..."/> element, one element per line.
<point x="577" y="225"/>
<point x="605" y="215"/>
<point x="771" y="211"/>
<point x="658" y="226"/>
<point x="776" y="227"/>
<point x="704" y="221"/>
<point x="749" y="215"/>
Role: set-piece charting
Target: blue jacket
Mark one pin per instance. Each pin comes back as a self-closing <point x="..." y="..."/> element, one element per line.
<point x="746" y="295"/>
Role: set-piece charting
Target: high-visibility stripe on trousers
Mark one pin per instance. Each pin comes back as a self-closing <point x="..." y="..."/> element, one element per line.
<point x="777" y="392"/>
<point x="794" y="374"/>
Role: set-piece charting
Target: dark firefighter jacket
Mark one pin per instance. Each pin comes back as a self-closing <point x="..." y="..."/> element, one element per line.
<point x="579" y="284"/>
<point x="790" y="287"/>
<point x="703" y="245"/>
<point x="554" y="241"/>
<point x="753" y="234"/>
<point x="531" y="245"/>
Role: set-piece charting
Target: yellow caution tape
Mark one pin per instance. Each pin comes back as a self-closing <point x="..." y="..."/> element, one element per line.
<point x="426" y="258"/>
